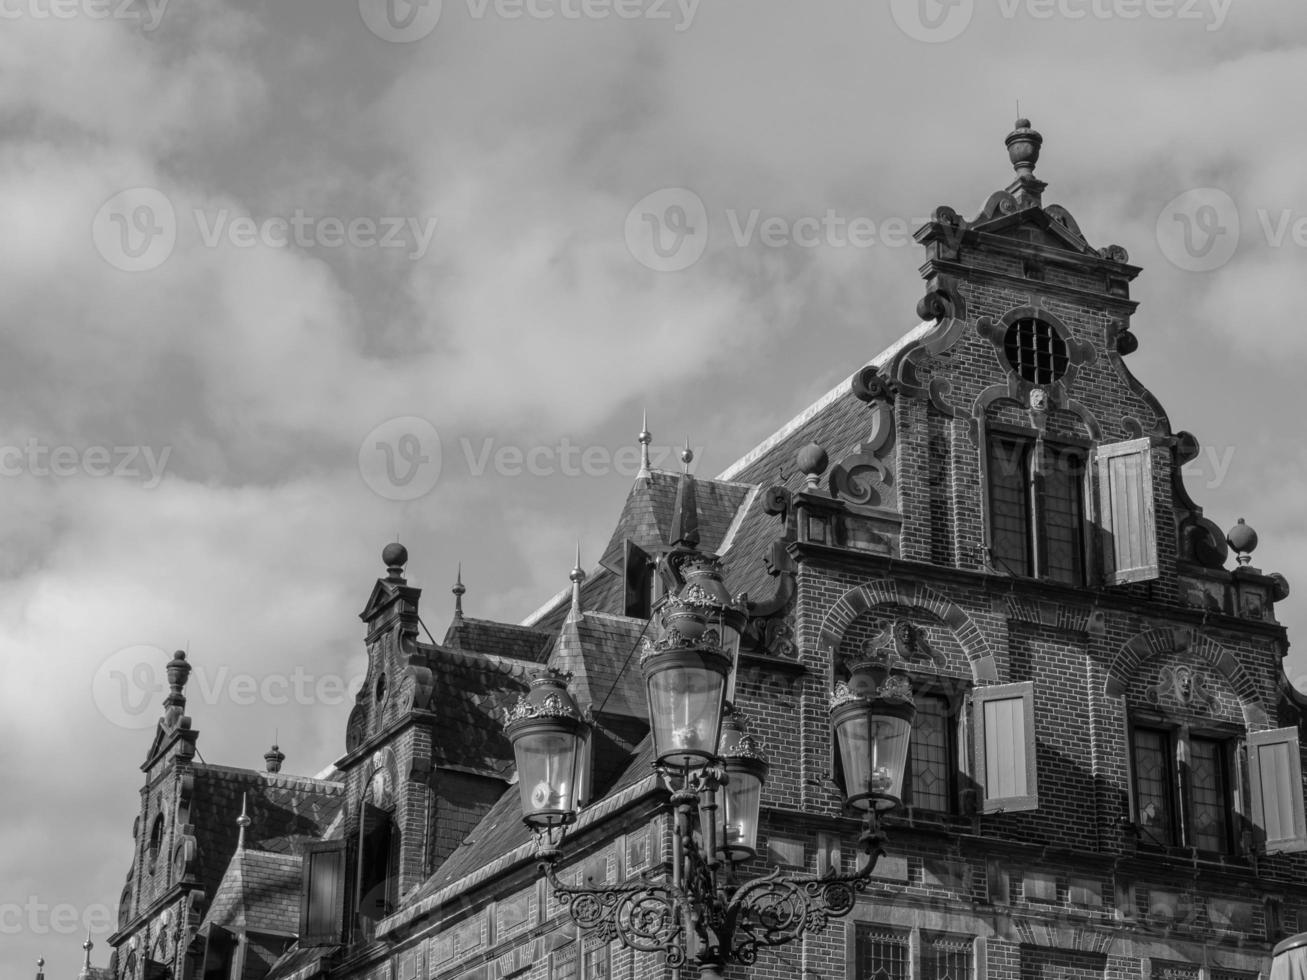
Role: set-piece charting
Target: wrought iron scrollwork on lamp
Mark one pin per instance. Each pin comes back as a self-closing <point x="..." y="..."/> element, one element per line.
<point x="697" y="911"/>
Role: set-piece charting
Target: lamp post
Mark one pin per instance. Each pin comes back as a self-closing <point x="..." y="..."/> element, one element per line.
<point x="1289" y="959"/>
<point x="714" y="771"/>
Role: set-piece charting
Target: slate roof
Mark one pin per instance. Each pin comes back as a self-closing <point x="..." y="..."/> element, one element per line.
<point x="598" y="649"/>
<point x="646" y="519"/>
<point x="501" y="830"/>
<point x="500" y="639"/>
<point x="284" y="811"/>
<point x="260" y="893"/>
<point x="473" y="692"/>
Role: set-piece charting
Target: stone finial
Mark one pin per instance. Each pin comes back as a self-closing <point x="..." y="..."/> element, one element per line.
<point x="273" y="758"/>
<point x="87" y="947"/>
<point x="40" y="968"/>
<point x="812" y="462"/>
<point x="645" y="439"/>
<point x="1242" y="539"/>
<point x="1023" y="146"/>
<point x="687" y="456"/>
<point x="177" y="670"/>
<point x="243" y="821"/>
<point x="394" y="556"/>
<point x="459" y="589"/>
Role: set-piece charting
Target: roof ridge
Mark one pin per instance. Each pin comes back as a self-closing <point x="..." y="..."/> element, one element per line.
<point x="279" y="779"/>
<point x="794" y="424"/>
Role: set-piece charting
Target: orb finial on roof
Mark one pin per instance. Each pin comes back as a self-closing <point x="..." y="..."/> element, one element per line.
<point x="644" y="438"/>
<point x="687" y="455"/>
<point x="812" y="462"/>
<point x="394" y="556"/>
<point x="1242" y="539"/>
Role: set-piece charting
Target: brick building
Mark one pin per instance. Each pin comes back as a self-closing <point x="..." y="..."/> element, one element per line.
<point x="1105" y="777"/>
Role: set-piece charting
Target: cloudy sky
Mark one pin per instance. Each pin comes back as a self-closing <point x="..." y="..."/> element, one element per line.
<point x="281" y="282"/>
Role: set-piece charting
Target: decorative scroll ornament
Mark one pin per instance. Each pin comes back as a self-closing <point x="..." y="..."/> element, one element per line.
<point x="551" y="706"/>
<point x="899" y="638"/>
<point x="1182" y="684"/>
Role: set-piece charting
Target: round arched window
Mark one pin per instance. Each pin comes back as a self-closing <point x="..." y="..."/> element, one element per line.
<point x="1035" y="351"/>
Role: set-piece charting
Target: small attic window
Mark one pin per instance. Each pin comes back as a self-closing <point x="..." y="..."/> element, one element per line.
<point x="1035" y="351"/>
<point x="381" y="689"/>
<point x="156" y="841"/>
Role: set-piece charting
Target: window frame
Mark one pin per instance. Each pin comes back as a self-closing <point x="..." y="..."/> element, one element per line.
<point x="1035" y="500"/>
<point x="1229" y="738"/>
<point x="953" y="691"/>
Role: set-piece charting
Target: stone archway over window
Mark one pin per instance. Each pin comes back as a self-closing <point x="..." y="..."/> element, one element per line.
<point x="886" y="591"/>
<point x="1159" y="642"/>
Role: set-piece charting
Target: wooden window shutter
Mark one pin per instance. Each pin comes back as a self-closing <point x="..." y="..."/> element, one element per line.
<point x="1004" y="727"/>
<point x="1275" y="774"/>
<point x="322" y="908"/>
<point x="1127" y="526"/>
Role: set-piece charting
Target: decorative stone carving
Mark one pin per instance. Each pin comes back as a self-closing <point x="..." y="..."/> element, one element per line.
<point x="1183" y="685"/>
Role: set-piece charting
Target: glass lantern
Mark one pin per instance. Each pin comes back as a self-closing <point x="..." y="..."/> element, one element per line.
<point x="872" y="725"/>
<point x="686" y="688"/>
<point x="739" y="802"/>
<point x="549" y="738"/>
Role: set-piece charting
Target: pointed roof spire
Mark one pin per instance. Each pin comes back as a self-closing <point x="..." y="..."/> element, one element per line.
<point x="87" y="947"/>
<point x="242" y="822"/>
<point x="459" y="589"/>
<point x="685" y="515"/>
<point x="645" y="438"/>
<point x="577" y="576"/>
<point x="40" y="968"/>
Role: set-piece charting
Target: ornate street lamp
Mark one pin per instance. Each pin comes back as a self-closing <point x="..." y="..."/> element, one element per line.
<point x="698" y="911"/>
<point x="548" y="735"/>
<point x="872" y="717"/>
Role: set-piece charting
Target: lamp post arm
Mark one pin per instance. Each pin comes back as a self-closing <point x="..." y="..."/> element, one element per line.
<point x="644" y="915"/>
<point x="774" y="909"/>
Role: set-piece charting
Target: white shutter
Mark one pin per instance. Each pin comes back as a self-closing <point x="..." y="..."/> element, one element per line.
<point x="1127" y="525"/>
<point x="1004" y="726"/>
<point x="1275" y="773"/>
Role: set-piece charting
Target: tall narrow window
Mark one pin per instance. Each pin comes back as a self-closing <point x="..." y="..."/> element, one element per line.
<point x="945" y="958"/>
<point x="879" y="955"/>
<point x="1153" y="781"/>
<point x="1036" y="508"/>
<point x="1207" y="781"/>
<point x="931" y="756"/>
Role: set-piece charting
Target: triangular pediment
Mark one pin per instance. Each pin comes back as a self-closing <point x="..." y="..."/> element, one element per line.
<point x="1051" y="227"/>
